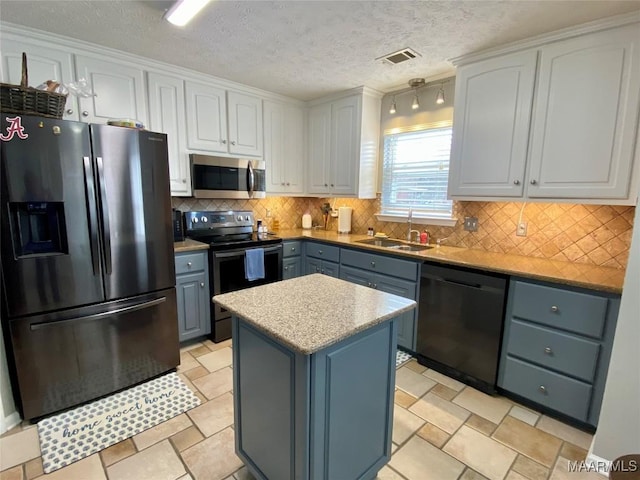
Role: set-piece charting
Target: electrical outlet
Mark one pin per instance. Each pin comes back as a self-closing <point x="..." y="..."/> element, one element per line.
<point x="521" y="230"/>
<point x="268" y="213"/>
<point x="471" y="224"/>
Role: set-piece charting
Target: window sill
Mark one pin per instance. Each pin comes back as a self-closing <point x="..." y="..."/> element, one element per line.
<point x="439" y="221"/>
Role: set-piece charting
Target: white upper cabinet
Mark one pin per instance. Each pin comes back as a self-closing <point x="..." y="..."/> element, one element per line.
<point x="206" y="117"/>
<point x="574" y="140"/>
<point x="491" y="126"/>
<point x="223" y="121"/>
<point x="245" y="124"/>
<point x="119" y="90"/>
<point x="284" y="148"/>
<point x="343" y="137"/>
<point x="44" y="63"/>
<point x="583" y="136"/>
<point x="167" y="115"/>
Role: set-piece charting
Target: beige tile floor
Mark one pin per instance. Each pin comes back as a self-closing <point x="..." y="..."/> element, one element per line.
<point x="443" y="430"/>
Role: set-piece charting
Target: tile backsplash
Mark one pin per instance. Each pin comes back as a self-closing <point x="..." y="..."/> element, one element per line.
<point x="591" y="234"/>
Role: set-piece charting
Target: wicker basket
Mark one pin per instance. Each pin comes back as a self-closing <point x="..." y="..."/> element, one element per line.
<point x="25" y="100"/>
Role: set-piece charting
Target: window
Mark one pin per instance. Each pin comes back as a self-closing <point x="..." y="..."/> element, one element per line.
<point x="416" y="173"/>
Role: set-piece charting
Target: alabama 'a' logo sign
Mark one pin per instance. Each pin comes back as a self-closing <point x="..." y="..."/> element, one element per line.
<point x="15" y="128"/>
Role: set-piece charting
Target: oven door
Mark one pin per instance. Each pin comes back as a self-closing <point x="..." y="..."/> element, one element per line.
<point x="228" y="275"/>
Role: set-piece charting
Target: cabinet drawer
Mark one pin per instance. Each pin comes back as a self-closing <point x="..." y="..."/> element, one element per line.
<point x="291" y="249"/>
<point x="560" y="351"/>
<point x="564" y="394"/>
<point x="381" y="264"/>
<point x="573" y="311"/>
<point x="325" y="252"/>
<point x="190" y="262"/>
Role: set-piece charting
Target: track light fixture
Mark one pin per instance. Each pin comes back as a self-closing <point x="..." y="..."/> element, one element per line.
<point x="183" y="11"/>
<point x="415" y="85"/>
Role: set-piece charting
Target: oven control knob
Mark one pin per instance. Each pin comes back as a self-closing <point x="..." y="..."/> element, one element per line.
<point x="194" y="220"/>
<point x="239" y="218"/>
<point x="205" y="219"/>
<point x="247" y="218"/>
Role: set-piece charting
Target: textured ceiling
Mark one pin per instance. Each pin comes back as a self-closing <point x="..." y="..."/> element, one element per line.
<point x="306" y="49"/>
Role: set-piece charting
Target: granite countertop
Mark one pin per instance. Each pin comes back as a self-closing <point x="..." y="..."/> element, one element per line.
<point x="189" y="245"/>
<point x="312" y="312"/>
<point x="604" y="279"/>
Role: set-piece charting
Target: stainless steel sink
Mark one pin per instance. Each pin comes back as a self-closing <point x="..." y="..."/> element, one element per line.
<point x="394" y="244"/>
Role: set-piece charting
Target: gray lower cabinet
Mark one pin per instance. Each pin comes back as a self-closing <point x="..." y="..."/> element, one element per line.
<point x="192" y="289"/>
<point x="327" y="415"/>
<point x="291" y="259"/>
<point x="322" y="258"/>
<point x="556" y="346"/>
<point x="387" y="274"/>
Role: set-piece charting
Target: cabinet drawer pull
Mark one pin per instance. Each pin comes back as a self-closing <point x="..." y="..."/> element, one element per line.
<point x="548" y="350"/>
<point x="554" y="308"/>
<point x="516" y="182"/>
<point x="202" y="284"/>
<point x="542" y="389"/>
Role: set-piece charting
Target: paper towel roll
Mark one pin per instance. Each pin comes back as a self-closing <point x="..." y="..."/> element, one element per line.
<point x="344" y="219"/>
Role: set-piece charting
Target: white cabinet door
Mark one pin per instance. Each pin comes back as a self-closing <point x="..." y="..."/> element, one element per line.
<point x="119" y="90"/>
<point x="582" y="142"/>
<point x="319" y="149"/>
<point x="493" y="103"/>
<point x="167" y="115"/>
<point x="345" y="145"/>
<point x="206" y="118"/>
<point x="283" y="147"/>
<point x="245" y="124"/>
<point x="43" y="64"/>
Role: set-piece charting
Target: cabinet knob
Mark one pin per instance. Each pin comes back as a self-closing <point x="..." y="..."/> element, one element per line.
<point x="554" y="309"/>
<point x="85" y="113"/>
<point x="69" y="111"/>
<point x="326" y="185"/>
<point x="189" y="264"/>
<point x="282" y="184"/>
<point x="332" y="184"/>
<point x="533" y="182"/>
<point x="288" y="184"/>
<point x="369" y="284"/>
<point x="319" y="252"/>
<point x="322" y="271"/>
<point x="202" y="284"/>
<point x="184" y="180"/>
<point x="233" y="142"/>
<point x="318" y="269"/>
<point x="375" y="285"/>
<point x="373" y="264"/>
<point x="224" y="142"/>
<point x="286" y="268"/>
<point x="548" y="350"/>
<point x="542" y="389"/>
<point x="516" y="182"/>
<point x="293" y="249"/>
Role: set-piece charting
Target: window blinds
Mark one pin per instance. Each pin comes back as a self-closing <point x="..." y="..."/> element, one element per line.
<point x="416" y="173"/>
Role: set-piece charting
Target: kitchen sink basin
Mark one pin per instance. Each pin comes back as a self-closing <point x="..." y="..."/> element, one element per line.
<point x="394" y="244"/>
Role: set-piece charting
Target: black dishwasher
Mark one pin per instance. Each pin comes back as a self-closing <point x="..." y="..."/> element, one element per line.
<point x="460" y="318"/>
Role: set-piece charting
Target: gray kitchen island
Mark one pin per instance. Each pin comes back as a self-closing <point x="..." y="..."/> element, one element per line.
<point x="313" y="377"/>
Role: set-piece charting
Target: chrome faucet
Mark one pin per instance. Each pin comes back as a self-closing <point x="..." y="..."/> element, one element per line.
<point x="440" y="240"/>
<point x="410" y="232"/>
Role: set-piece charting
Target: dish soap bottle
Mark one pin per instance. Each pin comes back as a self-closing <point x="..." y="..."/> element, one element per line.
<point x="424" y="237"/>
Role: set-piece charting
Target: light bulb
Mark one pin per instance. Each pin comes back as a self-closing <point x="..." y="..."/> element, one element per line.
<point x="416" y="103"/>
<point x="440" y="96"/>
<point x="184" y="10"/>
<point x="392" y="110"/>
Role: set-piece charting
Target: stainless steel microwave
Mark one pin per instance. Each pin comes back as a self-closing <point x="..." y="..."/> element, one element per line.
<point x="221" y="177"/>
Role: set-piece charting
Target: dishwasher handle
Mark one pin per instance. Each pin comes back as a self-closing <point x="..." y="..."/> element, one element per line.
<point x="458" y="282"/>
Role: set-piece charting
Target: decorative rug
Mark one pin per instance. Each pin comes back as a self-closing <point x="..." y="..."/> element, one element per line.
<point x="78" y="433"/>
<point x="402" y="358"/>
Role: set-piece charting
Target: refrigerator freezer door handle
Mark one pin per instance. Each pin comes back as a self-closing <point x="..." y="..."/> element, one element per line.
<point x="93" y="215"/>
<point x="97" y="316"/>
<point x="105" y="216"/>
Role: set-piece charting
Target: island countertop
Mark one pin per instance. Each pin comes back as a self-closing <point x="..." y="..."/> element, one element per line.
<point x="312" y="312"/>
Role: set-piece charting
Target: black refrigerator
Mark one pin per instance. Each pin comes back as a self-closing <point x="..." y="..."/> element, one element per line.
<point x="88" y="275"/>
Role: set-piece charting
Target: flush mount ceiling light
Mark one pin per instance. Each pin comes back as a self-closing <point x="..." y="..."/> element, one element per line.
<point x="184" y="10"/>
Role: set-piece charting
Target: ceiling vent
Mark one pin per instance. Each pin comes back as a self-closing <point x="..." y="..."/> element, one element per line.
<point x="399" y="56"/>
